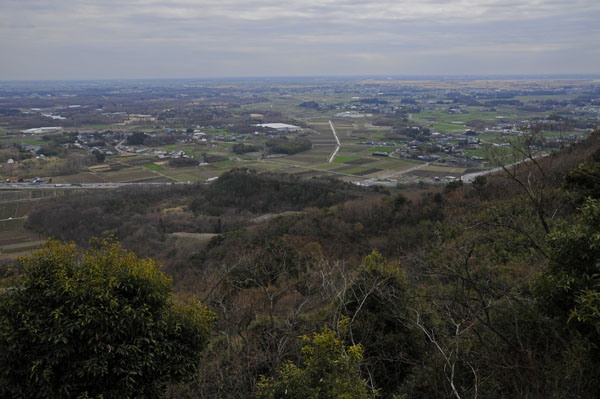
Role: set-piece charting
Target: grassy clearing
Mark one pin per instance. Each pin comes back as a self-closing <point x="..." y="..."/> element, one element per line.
<point x="478" y="153"/>
<point x="494" y="136"/>
<point x="224" y="164"/>
<point x="153" y="166"/>
<point x="445" y="122"/>
<point x="449" y="127"/>
<point x="29" y="141"/>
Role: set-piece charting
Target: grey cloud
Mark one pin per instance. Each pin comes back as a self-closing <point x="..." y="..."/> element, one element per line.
<point x="152" y="38"/>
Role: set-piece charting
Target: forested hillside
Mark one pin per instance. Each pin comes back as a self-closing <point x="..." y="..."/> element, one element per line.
<point x="486" y="290"/>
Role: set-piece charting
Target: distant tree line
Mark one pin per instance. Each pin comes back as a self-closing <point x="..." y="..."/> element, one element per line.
<point x="287" y="146"/>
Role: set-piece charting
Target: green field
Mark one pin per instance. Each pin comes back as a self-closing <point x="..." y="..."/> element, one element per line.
<point x="153" y="166"/>
<point x="478" y="153"/>
<point x="344" y="159"/>
<point x="224" y="164"/>
<point x="449" y="127"/>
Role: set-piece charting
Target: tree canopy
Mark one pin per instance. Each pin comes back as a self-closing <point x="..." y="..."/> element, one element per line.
<point x="329" y="370"/>
<point x="96" y="323"/>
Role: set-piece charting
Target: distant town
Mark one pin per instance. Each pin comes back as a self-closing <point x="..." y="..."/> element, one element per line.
<point x="368" y="132"/>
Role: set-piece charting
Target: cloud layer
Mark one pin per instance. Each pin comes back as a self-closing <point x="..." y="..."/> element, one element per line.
<point x="204" y="38"/>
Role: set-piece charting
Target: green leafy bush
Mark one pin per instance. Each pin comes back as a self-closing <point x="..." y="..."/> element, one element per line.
<point x="329" y="370"/>
<point x="100" y="323"/>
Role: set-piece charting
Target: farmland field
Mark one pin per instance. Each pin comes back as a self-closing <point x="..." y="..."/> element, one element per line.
<point x="413" y="121"/>
<point x="81" y="178"/>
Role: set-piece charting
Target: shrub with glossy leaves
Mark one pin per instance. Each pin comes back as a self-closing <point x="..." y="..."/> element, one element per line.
<point x="329" y="370"/>
<point x="97" y="323"/>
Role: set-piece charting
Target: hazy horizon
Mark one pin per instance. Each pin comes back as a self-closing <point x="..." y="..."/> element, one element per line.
<point x="321" y="77"/>
<point x="197" y="39"/>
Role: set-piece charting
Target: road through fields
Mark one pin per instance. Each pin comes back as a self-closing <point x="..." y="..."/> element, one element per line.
<point x="338" y="143"/>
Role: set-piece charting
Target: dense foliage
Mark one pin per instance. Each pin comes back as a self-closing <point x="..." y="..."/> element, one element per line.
<point x="183" y="162"/>
<point x="377" y="303"/>
<point x="100" y="323"/>
<point x="286" y="146"/>
<point x="329" y="370"/>
<point x="485" y="290"/>
<point x="134" y="214"/>
<point x="136" y="138"/>
<point x="242" y="148"/>
<point x="245" y="189"/>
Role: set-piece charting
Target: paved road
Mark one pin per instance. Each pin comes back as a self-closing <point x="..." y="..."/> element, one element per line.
<point x="405" y="171"/>
<point x="392" y="175"/>
<point x="469" y="177"/>
<point x="27" y="186"/>
<point x="338" y="143"/>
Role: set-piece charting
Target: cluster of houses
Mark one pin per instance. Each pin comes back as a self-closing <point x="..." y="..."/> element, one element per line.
<point x="131" y="151"/>
<point x="454" y="148"/>
<point x="451" y="147"/>
<point x="352" y="114"/>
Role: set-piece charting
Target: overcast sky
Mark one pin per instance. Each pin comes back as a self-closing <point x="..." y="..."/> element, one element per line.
<point x="99" y="39"/>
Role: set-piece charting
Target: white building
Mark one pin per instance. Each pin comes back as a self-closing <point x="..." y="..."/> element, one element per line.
<point x="281" y="127"/>
<point x="42" y="130"/>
